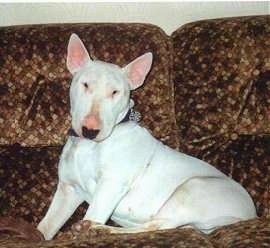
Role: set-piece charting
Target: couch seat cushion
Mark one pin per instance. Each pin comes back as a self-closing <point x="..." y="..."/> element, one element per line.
<point x="28" y="178"/>
<point x="178" y="238"/>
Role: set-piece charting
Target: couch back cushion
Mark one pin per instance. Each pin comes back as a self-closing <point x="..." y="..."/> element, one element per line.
<point x="34" y="81"/>
<point x="222" y="91"/>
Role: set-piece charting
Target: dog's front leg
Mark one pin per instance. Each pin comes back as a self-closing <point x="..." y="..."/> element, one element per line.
<point x="107" y="195"/>
<point x="64" y="203"/>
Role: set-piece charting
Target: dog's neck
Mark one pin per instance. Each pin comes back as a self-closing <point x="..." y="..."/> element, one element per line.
<point x="131" y="115"/>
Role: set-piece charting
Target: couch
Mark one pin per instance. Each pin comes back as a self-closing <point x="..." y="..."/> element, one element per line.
<point x="208" y="95"/>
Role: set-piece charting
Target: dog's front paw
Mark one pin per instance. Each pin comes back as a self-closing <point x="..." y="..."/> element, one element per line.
<point x="87" y="228"/>
<point x="80" y="227"/>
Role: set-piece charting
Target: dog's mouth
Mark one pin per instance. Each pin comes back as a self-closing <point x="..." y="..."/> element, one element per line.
<point x="90" y="133"/>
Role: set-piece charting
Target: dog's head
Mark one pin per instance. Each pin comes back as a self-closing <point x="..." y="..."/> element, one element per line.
<point x="100" y="92"/>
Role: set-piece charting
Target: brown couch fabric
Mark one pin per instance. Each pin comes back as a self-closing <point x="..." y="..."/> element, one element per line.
<point x="214" y="72"/>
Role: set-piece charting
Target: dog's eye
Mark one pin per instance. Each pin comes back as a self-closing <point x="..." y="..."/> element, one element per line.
<point x="115" y="92"/>
<point x="85" y="85"/>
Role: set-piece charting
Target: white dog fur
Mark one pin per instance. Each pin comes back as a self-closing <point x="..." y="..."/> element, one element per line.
<point x="124" y="173"/>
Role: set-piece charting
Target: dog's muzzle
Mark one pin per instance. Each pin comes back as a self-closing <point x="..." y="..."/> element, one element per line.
<point x="89" y="133"/>
<point x="92" y="133"/>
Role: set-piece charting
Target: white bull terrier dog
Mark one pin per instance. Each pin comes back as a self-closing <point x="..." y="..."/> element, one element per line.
<point x="122" y="171"/>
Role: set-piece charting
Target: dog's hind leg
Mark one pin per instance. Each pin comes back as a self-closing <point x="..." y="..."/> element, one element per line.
<point x="152" y="225"/>
<point x="86" y="225"/>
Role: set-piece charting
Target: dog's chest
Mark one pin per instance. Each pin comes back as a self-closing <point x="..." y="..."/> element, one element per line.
<point x="78" y="164"/>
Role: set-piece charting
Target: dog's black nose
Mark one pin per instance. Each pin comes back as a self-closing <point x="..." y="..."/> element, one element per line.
<point x="89" y="133"/>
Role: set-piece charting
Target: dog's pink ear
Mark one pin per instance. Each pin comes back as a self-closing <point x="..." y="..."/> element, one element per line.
<point x="77" y="54"/>
<point x="138" y="69"/>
